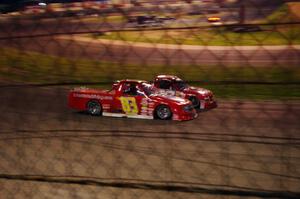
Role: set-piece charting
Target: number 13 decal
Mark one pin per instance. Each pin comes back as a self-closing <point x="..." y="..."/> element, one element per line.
<point x="129" y="105"/>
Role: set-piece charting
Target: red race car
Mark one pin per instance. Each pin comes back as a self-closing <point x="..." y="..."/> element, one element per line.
<point x="201" y="98"/>
<point x="133" y="99"/>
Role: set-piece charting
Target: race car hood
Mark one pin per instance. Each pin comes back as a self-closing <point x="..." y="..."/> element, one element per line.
<point x="169" y="99"/>
<point x="198" y="91"/>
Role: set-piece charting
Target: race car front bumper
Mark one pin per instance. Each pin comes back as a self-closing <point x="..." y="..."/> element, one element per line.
<point x="208" y="104"/>
<point x="183" y="116"/>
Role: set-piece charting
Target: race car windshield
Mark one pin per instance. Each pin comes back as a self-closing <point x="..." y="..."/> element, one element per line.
<point x="148" y="89"/>
<point x="181" y="85"/>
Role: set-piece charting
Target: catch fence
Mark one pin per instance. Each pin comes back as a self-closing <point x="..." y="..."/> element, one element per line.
<point x="246" y="52"/>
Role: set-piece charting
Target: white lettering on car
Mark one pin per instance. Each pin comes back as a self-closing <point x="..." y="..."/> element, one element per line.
<point x="92" y="96"/>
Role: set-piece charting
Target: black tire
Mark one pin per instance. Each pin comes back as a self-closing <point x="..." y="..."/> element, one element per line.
<point x="195" y="101"/>
<point x="163" y="112"/>
<point x="93" y="107"/>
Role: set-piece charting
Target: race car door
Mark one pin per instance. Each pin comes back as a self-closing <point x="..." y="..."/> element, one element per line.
<point x="129" y="100"/>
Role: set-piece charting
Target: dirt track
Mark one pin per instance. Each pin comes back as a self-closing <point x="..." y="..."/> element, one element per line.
<point x="238" y="146"/>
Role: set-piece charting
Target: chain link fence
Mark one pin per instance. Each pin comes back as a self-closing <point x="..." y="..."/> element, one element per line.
<point x="247" y="52"/>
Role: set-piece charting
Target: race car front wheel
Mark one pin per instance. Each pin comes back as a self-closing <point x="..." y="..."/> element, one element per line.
<point x="163" y="112"/>
<point x="195" y="101"/>
<point x="94" y="107"/>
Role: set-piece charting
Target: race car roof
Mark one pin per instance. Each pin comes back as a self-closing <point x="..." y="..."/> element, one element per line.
<point x="171" y="77"/>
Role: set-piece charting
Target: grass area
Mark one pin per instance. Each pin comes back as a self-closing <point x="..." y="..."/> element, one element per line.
<point x="256" y="92"/>
<point x="102" y="19"/>
<point x="282" y="14"/>
<point x="29" y="67"/>
<point x="219" y="36"/>
<point x="288" y="12"/>
<point x="294" y="9"/>
<point x="212" y="37"/>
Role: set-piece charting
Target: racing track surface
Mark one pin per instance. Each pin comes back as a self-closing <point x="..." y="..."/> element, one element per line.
<point x="244" y="148"/>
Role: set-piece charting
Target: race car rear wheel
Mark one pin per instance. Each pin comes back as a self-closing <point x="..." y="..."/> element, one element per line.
<point x="195" y="101"/>
<point x="163" y="112"/>
<point x="94" y="107"/>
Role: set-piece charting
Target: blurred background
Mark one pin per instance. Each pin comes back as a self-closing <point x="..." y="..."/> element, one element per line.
<point x="246" y="51"/>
